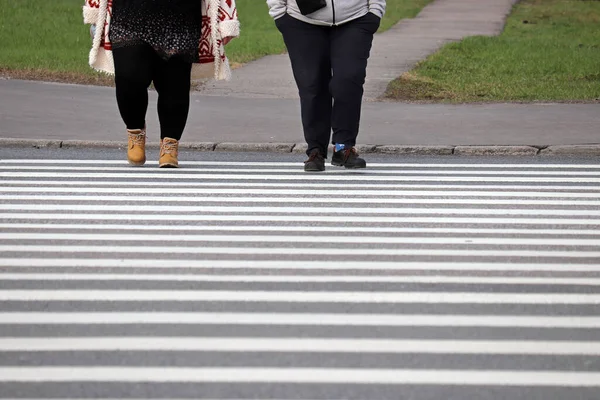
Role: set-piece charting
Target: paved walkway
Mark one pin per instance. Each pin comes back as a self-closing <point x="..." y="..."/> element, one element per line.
<point x="259" y="108"/>
<point x="394" y="52"/>
<point x="56" y="112"/>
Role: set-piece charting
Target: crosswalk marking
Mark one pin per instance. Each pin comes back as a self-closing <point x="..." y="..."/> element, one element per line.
<point x="284" y="192"/>
<point x="254" y="279"/>
<point x="294" y="165"/>
<point x="301" y="375"/>
<point x="300" y="210"/>
<point x="413" y="267"/>
<point x="298" y="228"/>
<point x="297" y="171"/>
<point x="242" y="344"/>
<point x="95" y="237"/>
<point x="447" y="188"/>
<point x="356" y="176"/>
<point x="300" y="278"/>
<point x="299" y="319"/>
<point x="590" y="221"/>
<point x="297" y="251"/>
<point x="276" y="200"/>
<point x="299" y="297"/>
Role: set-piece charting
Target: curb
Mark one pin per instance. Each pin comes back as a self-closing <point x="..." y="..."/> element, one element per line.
<point x="300" y="148"/>
<point x="496" y="150"/>
<point x="577" y="149"/>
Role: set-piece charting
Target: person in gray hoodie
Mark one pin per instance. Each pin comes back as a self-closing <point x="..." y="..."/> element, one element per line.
<point x="329" y="42"/>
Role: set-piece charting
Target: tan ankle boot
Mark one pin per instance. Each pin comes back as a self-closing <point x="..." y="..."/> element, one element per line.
<point x="136" y="149"/>
<point x="168" y="153"/>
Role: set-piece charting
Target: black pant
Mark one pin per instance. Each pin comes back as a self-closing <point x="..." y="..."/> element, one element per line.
<point x="329" y="65"/>
<point x="136" y="67"/>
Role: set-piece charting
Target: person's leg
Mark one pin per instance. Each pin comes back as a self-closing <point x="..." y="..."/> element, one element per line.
<point x="172" y="82"/>
<point x="350" y="49"/>
<point x="308" y="48"/>
<point x="133" y="75"/>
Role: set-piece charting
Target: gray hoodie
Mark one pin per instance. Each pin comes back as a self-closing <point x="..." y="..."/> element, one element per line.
<point x="336" y="12"/>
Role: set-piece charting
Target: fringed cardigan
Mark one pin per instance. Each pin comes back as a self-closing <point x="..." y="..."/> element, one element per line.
<point x="219" y="20"/>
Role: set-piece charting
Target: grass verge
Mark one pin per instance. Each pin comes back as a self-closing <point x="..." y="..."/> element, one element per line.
<point x="46" y="40"/>
<point x="549" y="51"/>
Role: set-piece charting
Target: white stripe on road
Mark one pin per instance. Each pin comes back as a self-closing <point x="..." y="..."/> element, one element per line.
<point x="299" y="297"/>
<point x="300" y="218"/>
<point x="298" y="319"/>
<point x="301" y="376"/>
<point x="322" y="251"/>
<point x="356" y="177"/>
<point x="295" y="210"/>
<point x="243" y="344"/>
<point x="287" y="265"/>
<point x="60" y="277"/>
<point x="313" y="199"/>
<point x="445" y="171"/>
<point x="292" y="228"/>
<point x="136" y="398"/>
<point x="160" y="237"/>
<point x="295" y="164"/>
<point x="301" y="193"/>
<point x="170" y="398"/>
<point x="304" y="185"/>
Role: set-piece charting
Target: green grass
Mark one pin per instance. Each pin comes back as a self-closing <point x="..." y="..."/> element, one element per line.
<point x="45" y="36"/>
<point x="549" y="51"/>
<point x="47" y="39"/>
<point x="259" y="37"/>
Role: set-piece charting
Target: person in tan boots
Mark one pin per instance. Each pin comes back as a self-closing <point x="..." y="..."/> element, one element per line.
<point x="165" y="42"/>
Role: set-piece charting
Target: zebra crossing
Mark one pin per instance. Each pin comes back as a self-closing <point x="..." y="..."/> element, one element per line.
<point x="256" y="280"/>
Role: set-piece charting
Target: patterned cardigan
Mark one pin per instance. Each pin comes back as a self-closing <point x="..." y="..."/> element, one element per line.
<point x="219" y="20"/>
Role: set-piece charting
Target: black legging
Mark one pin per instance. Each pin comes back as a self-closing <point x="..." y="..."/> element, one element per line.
<point x="138" y="66"/>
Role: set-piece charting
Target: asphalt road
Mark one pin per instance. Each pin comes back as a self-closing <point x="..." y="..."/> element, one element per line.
<point x="240" y="276"/>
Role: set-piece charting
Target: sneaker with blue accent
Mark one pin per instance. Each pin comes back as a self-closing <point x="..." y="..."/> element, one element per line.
<point x="348" y="158"/>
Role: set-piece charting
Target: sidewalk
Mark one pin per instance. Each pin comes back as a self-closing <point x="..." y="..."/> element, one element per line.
<point x="259" y="109"/>
<point x="57" y="112"/>
<point x="394" y="52"/>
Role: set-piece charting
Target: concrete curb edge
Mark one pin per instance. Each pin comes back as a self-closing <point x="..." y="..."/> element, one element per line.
<point x="592" y="149"/>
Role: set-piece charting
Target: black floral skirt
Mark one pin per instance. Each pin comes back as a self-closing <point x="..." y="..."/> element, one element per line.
<point x="171" y="27"/>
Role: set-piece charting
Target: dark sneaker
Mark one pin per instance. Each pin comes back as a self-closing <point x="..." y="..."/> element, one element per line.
<point x="348" y="158"/>
<point x="315" y="162"/>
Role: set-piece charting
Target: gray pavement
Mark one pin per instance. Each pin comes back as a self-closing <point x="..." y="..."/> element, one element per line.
<point x="59" y="112"/>
<point x="240" y="276"/>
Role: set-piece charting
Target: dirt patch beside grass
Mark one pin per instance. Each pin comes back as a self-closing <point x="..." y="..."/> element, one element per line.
<point x="57" y="76"/>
